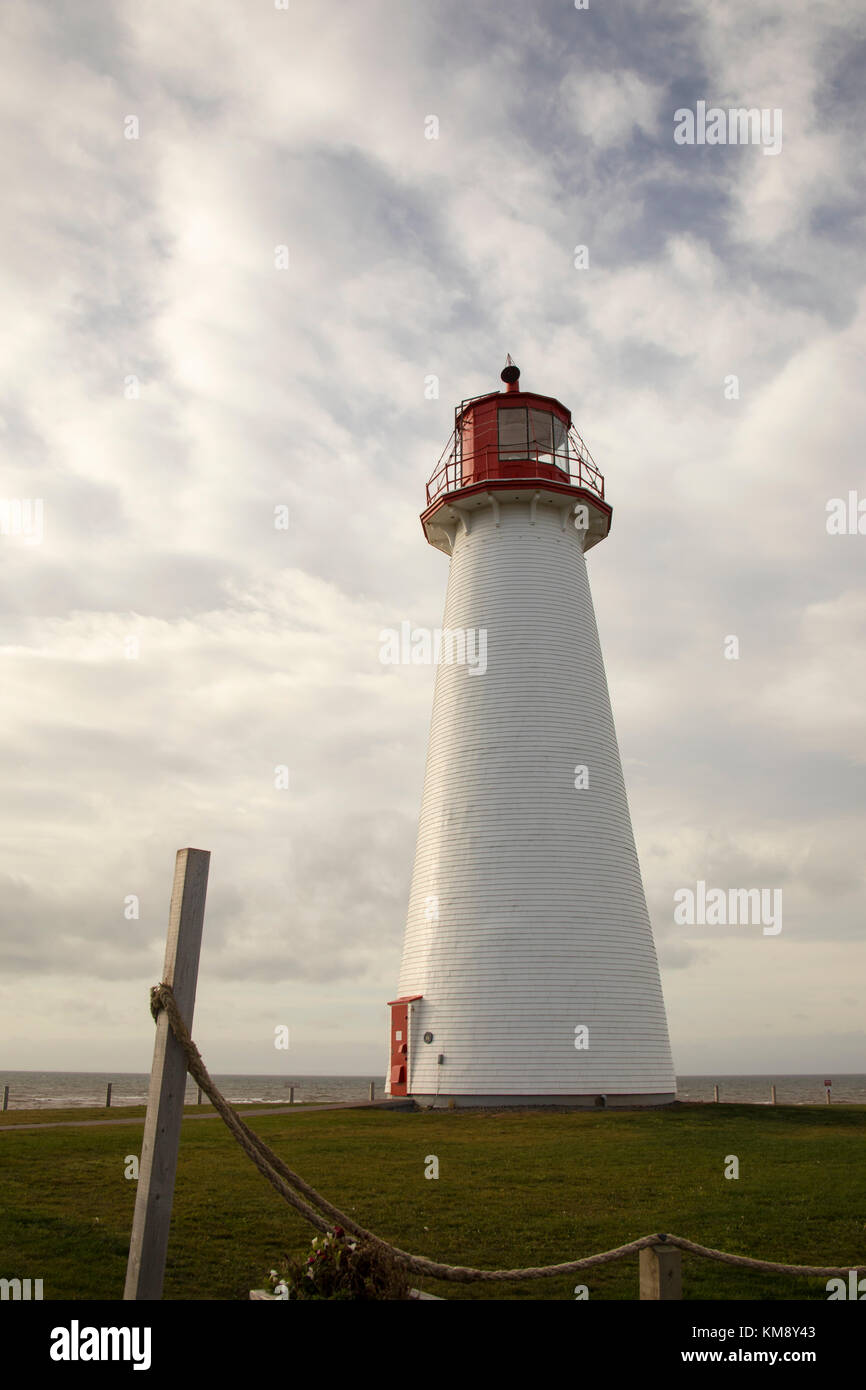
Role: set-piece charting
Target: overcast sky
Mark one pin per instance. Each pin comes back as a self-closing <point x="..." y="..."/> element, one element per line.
<point x="149" y="264"/>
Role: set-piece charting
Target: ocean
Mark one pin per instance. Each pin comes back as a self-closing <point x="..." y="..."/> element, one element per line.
<point x="44" y="1090"/>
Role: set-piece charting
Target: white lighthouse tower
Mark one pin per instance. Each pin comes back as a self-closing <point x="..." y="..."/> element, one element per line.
<point x="529" y="973"/>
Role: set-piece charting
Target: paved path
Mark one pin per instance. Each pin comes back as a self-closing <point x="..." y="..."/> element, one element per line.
<point x="210" y="1114"/>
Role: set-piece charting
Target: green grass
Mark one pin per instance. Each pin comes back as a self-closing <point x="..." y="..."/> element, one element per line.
<point x="51" y="1115"/>
<point x="513" y="1189"/>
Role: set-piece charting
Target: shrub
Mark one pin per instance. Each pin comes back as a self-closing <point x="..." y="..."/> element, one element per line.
<point x="340" y="1268"/>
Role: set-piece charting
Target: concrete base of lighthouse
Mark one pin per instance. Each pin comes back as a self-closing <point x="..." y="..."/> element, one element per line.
<point x="549" y="1102"/>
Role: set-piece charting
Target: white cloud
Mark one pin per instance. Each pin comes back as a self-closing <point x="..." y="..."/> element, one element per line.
<point x="305" y="387"/>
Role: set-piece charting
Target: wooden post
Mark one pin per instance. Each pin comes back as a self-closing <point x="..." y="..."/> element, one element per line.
<point x="291" y="1095"/>
<point x="108" y="1095"/>
<point x="372" y="1090"/>
<point x="198" y="1102"/>
<point x="772" y="1095"/>
<point x="5" y="1097"/>
<point x="716" y="1094"/>
<point x="661" y="1273"/>
<point x="828" y="1095"/>
<point x="148" y="1245"/>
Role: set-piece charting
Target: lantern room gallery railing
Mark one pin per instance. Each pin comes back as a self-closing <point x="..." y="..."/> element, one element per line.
<point x="457" y="469"/>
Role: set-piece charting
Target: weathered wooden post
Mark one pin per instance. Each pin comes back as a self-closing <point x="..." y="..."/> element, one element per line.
<point x="198" y="1102"/>
<point x="5" y="1097"/>
<point x="291" y="1095"/>
<point x="148" y="1245"/>
<point x="716" y="1094"/>
<point x="772" y="1095"/>
<point x="661" y="1273"/>
<point x="372" y="1090"/>
<point x="108" y="1095"/>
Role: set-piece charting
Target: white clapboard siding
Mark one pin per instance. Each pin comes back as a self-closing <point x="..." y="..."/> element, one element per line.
<point x="542" y="920"/>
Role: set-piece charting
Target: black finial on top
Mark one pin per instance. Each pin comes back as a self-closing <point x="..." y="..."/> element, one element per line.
<point x="509" y="374"/>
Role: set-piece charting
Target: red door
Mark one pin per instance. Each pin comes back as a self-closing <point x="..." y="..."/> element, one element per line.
<point x="399" y="1047"/>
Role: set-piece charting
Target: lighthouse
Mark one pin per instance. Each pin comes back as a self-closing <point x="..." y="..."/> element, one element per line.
<point x="529" y="973"/>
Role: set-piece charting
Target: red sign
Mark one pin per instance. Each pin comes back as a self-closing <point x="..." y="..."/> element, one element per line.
<point x="828" y="1083"/>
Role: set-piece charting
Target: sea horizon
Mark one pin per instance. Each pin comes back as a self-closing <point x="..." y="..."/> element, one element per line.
<point x="37" y="1090"/>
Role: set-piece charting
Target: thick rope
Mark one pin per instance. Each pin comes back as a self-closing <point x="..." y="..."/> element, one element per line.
<point x="323" y="1215"/>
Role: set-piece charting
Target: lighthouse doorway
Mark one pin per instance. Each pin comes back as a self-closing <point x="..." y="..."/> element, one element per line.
<point x="398" y="1068"/>
<point x="399" y="1048"/>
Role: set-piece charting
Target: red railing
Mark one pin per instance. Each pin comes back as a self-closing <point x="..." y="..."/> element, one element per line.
<point x="456" y="469"/>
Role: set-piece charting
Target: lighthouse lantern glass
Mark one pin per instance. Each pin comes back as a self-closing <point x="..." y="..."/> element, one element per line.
<point x="533" y="434"/>
<point x="560" y="443"/>
<point x="513" y="434"/>
<point x="541" y="434"/>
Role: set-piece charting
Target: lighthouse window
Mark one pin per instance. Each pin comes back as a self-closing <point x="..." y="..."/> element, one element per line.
<point x="533" y="434"/>
<point x="560" y="444"/>
<point x="541" y="434"/>
<point x="513" y="434"/>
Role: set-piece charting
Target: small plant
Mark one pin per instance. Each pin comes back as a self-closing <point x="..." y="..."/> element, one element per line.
<point x="340" y="1268"/>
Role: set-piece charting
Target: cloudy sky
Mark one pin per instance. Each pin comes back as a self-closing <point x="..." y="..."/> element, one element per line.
<point x="169" y="381"/>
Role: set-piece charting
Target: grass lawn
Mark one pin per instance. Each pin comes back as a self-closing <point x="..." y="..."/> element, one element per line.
<point x="513" y="1189"/>
<point x="51" y="1115"/>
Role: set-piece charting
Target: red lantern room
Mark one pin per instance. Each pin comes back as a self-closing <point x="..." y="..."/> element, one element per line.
<point x="514" y="442"/>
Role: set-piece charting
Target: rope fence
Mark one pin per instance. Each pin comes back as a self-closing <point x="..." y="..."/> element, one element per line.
<point x="322" y="1214"/>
